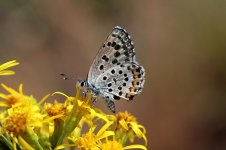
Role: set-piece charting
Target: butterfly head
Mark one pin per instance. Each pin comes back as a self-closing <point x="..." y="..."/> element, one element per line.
<point x="82" y="83"/>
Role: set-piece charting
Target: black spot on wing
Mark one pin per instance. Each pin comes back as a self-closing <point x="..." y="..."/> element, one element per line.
<point x="114" y="61"/>
<point x="117" y="47"/>
<point x="113" y="44"/>
<point x="116" y="97"/>
<point x="105" y="58"/>
<point x="126" y="79"/>
<point x="113" y="71"/>
<point x="101" y="67"/>
<point x="109" y="84"/>
<point x="117" y="54"/>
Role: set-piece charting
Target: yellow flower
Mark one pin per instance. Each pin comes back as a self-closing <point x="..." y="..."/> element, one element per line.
<point x="6" y="65"/>
<point x="14" y="98"/>
<point x="28" y="124"/>
<point x="91" y="140"/>
<point x="111" y="145"/>
<point x="126" y="126"/>
<point x="16" y="123"/>
<point x="115" y="145"/>
<point x="87" y="141"/>
<point x="80" y="108"/>
<point x="21" y="119"/>
<point x="57" y="113"/>
<point x="27" y="114"/>
<point x="57" y="109"/>
<point x="125" y="119"/>
<point x="20" y="123"/>
<point x="89" y="115"/>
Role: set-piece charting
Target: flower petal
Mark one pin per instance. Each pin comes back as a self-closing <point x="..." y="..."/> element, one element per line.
<point x="25" y="144"/>
<point x="60" y="93"/>
<point x="8" y="64"/>
<point x="105" y="134"/>
<point x="138" y="132"/>
<point x="136" y="146"/>
<point x="123" y="124"/>
<point x="2" y="104"/>
<point x="6" y="72"/>
<point x="63" y="146"/>
<point x="43" y="99"/>
<point x="3" y="96"/>
<point x="21" y="89"/>
<point x="103" y="129"/>
<point x="10" y="90"/>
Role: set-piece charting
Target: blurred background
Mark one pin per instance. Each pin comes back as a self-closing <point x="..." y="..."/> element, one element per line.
<point x="181" y="44"/>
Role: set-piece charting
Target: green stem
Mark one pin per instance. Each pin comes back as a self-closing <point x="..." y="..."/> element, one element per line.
<point x="6" y="141"/>
<point x="124" y="139"/>
<point x="44" y="139"/>
<point x="74" y="117"/>
<point x="71" y="122"/>
<point x="58" y="128"/>
<point x="121" y="136"/>
<point x="31" y="138"/>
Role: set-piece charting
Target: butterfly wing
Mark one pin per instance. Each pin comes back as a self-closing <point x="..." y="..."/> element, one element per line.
<point x="117" y="48"/>
<point x="123" y="81"/>
<point x="115" y="71"/>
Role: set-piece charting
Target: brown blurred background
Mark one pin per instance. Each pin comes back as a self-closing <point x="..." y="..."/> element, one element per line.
<point x="181" y="44"/>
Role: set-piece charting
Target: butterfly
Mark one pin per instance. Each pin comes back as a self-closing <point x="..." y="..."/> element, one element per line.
<point x="115" y="73"/>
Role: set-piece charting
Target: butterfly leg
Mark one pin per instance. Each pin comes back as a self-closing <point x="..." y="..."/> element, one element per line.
<point x="94" y="100"/>
<point x="84" y="94"/>
<point x="111" y="105"/>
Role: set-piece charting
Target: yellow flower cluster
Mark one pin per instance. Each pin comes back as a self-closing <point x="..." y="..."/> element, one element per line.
<point x="27" y="123"/>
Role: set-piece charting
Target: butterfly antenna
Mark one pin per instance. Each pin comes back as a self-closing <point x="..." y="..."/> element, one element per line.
<point x="67" y="77"/>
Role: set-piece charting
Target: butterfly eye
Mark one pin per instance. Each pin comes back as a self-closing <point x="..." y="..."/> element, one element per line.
<point x="82" y="83"/>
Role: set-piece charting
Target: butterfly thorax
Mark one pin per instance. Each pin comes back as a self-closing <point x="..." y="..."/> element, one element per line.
<point x="88" y="87"/>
